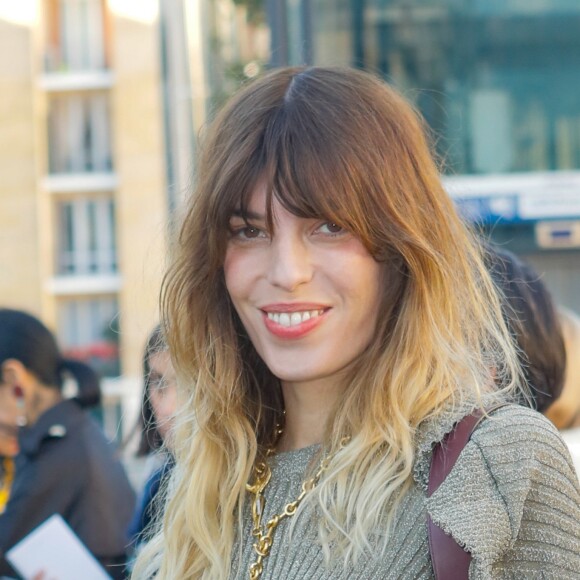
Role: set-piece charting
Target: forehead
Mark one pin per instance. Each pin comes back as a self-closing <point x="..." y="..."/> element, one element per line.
<point x="258" y="199"/>
<point x="267" y="208"/>
<point x="263" y="201"/>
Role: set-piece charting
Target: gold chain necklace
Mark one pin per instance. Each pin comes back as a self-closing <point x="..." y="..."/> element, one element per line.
<point x="8" y="465"/>
<point x="264" y="534"/>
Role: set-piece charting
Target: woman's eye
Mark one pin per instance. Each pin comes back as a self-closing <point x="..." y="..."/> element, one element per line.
<point x="331" y="228"/>
<point x="247" y="232"/>
<point x="250" y="232"/>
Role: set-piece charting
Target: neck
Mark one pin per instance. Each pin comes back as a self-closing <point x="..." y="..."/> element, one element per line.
<point x="308" y="407"/>
<point x="43" y="399"/>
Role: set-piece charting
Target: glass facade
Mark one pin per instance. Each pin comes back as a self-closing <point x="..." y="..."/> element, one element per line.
<point x="497" y="80"/>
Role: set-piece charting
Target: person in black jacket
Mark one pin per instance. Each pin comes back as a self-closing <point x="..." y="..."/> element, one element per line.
<point x="66" y="466"/>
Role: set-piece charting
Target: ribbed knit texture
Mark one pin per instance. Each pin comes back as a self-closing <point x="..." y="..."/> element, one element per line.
<point x="512" y="498"/>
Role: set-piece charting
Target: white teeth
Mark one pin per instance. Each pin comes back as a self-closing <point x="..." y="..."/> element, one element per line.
<point x="294" y="318"/>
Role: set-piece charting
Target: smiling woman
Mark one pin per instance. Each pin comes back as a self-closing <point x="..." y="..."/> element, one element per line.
<point x="337" y="321"/>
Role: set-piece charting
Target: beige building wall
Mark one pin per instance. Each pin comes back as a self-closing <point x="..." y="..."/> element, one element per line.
<point x="138" y="148"/>
<point x="29" y="200"/>
<point x="20" y="284"/>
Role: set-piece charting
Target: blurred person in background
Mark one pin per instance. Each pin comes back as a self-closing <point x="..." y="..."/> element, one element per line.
<point x="532" y="319"/>
<point x="9" y="446"/>
<point x="65" y="466"/>
<point x="548" y="340"/>
<point x="159" y="404"/>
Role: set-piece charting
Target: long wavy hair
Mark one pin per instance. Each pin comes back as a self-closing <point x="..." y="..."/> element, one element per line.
<point x="342" y="145"/>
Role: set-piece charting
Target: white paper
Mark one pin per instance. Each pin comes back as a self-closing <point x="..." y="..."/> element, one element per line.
<point x="53" y="548"/>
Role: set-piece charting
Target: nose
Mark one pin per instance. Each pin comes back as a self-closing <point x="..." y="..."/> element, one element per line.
<point x="290" y="262"/>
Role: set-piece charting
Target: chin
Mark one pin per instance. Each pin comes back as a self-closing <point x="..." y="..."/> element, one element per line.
<point x="292" y="376"/>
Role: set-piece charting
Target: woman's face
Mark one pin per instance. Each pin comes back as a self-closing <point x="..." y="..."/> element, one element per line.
<point x="162" y="392"/>
<point x="8" y="426"/>
<point x="307" y="292"/>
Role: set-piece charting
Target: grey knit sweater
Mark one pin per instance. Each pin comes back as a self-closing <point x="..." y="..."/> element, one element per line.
<point x="512" y="498"/>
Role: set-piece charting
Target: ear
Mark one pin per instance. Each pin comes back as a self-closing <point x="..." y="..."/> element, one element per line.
<point x="14" y="372"/>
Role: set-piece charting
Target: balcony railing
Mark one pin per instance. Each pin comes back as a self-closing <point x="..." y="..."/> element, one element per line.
<point x="100" y="261"/>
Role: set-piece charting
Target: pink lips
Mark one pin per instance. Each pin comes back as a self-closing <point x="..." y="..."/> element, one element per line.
<point x="298" y="330"/>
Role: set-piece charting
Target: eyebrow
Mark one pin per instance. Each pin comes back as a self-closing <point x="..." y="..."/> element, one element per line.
<point x="248" y="215"/>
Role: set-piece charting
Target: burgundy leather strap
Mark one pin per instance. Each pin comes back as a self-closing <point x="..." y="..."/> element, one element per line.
<point x="450" y="560"/>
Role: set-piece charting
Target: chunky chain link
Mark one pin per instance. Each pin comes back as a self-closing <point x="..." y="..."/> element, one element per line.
<point x="264" y="533"/>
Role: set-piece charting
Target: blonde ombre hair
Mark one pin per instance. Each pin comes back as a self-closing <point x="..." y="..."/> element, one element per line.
<point x="339" y="144"/>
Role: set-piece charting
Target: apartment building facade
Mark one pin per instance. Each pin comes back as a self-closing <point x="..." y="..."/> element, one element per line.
<point x="101" y="103"/>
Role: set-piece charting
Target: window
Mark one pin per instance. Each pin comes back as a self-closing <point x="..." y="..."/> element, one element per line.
<point x="497" y="80"/>
<point x="79" y="134"/>
<point x="75" y="35"/>
<point x="87" y="242"/>
<point x="89" y="331"/>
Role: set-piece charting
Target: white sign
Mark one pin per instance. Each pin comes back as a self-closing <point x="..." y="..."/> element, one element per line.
<point x="550" y="203"/>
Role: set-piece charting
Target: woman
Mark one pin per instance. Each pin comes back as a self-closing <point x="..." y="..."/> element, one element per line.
<point x="337" y="320"/>
<point x="158" y="408"/>
<point x="66" y="466"/>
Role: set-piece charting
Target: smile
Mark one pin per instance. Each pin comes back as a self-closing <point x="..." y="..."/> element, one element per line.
<point x="294" y="321"/>
<point x="288" y="319"/>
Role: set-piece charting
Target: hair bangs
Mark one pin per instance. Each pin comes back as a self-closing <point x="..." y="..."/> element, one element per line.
<point x="308" y="170"/>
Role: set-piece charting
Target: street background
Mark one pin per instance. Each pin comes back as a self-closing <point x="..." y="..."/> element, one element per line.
<point x="101" y="103"/>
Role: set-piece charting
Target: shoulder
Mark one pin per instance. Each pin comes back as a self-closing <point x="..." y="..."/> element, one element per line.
<point x="57" y="461"/>
<point x="525" y="454"/>
<point x="512" y="489"/>
<point x="518" y="438"/>
<point x="513" y="415"/>
<point x="64" y="443"/>
<point x="531" y="471"/>
<point x="526" y="457"/>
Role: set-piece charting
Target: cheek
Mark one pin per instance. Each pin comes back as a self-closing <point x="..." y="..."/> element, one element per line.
<point x="232" y="271"/>
<point x="364" y="282"/>
<point x="239" y="274"/>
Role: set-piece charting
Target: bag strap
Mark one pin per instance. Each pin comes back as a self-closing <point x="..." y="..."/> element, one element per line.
<point x="450" y="561"/>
